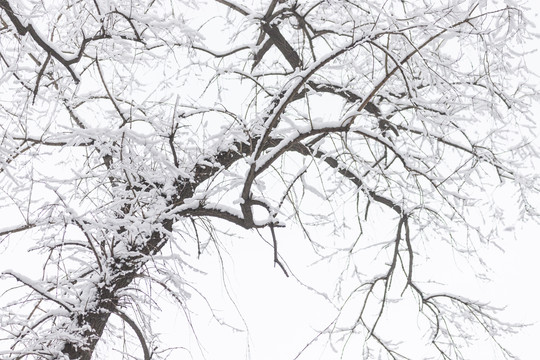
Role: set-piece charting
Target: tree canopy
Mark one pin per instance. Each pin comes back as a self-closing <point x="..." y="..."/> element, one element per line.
<point x="138" y="136"/>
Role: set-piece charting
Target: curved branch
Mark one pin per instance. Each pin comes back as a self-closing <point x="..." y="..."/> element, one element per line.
<point x="137" y="331"/>
<point x="220" y="54"/>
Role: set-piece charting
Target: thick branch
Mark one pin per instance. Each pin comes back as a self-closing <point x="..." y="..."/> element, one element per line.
<point x="23" y="30"/>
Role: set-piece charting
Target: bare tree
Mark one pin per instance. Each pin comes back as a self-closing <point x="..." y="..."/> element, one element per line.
<point x="133" y="131"/>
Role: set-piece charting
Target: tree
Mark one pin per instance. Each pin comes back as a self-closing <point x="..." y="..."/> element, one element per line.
<point x="134" y="133"/>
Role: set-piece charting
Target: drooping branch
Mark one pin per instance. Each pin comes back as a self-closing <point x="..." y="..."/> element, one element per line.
<point x="138" y="332"/>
